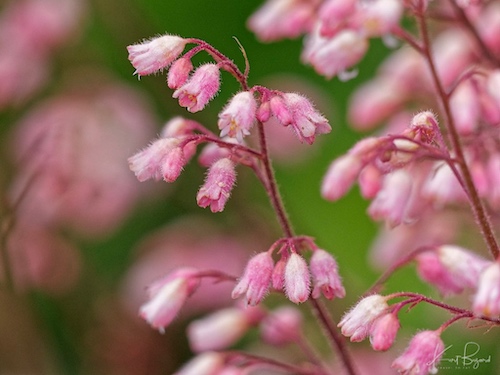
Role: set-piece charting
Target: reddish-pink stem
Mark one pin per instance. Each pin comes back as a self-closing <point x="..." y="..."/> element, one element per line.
<point x="478" y="208"/>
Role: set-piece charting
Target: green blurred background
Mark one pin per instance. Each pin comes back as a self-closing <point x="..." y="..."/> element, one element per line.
<point x="342" y="228"/>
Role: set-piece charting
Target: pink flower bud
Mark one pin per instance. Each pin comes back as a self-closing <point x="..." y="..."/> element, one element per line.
<point x="217" y="188"/>
<point x="155" y="54"/>
<point x="465" y="108"/>
<point x="333" y="15"/>
<point x="422" y="354"/>
<point x="378" y="17"/>
<point x="358" y="321"/>
<point x="450" y="268"/>
<point x="218" y="330"/>
<point x="487" y="299"/>
<point x="209" y="363"/>
<point x="442" y="186"/>
<point x="167" y="296"/>
<point x="305" y="120"/>
<point x="263" y="112"/>
<point x="333" y="56"/>
<point x="424" y="125"/>
<point x="161" y="159"/>
<point x="178" y="73"/>
<point x="370" y="181"/>
<point x="238" y="117"/>
<point x="256" y="279"/>
<point x="213" y="152"/>
<point x="282" y="19"/>
<point x="297" y="279"/>
<point x="340" y="177"/>
<point x="383" y="331"/>
<point x="278" y="279"/>
<point x="281" y="326"/>
<point x="392" y="200"/>
<point x="326" y="279"/>
<point x="200" y="88"/>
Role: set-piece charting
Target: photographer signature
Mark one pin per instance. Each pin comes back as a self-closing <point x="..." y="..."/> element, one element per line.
<point x="468" y="358"/>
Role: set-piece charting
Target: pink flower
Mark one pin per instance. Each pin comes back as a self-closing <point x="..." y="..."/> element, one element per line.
<point x="238" y="117"/>
<point x="220" y="329"/>
<point x="167" y="296"/>
<point x="178" y="73"/>
<point x="378" y="17"/>
<point x="161" y="159"/>
<point x="281" y="326"/>
<point x="421" y="355"/>
<point x="340" y="177"/>
<point x="256" y="279"/>
<point x="209" y="363"/>
<point x="487" y="299"/>
<point x="334" y="56"/>
<point x="392" y="200"/>
<point x="278" y="19"/>
<point x="333" y="15"/>
<point x="297" y="279"/>
<point x="200" y="88"/>
<point x="298" y="111"/>
<point x="326" y="279"/>
<point x="451" y="268"/>
<point x="155" y="54"/>
<point x="357" y="323"/>
<point x="383" y="331"/>
<point x="220" y="180"/>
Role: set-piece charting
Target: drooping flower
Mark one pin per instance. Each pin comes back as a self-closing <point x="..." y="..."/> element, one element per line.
<point x="220" y="329"/>
<point x="383" y="331"/>
<point x="161" y="159"/>
<point x="200" y="88"/>
<point x="238" y="117"/>
<point x="357" y="322"/>
<point x="297" y="111"/>
<point x="422" y="354"/>
<point x="281" y="326"/>
<point x="450" y="268"/>
<point x="178" y="73"/>
<point x="326" y="279"/>
<point x="256" y="279"/>
<point x="487" y="299"/>
<point x="217" y="188"/>
<point x="155" y="54"/>
<point x="297" y="279"/>
<point x="167" y="296"/>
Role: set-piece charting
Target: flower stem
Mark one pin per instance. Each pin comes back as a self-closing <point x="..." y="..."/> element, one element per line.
<point x="478" y="208"/>
<point x="336" y="340"/>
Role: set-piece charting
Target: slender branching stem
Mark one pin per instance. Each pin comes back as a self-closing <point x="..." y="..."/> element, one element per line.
<point x="478" y="207"/>
<point x="336" y="340"/>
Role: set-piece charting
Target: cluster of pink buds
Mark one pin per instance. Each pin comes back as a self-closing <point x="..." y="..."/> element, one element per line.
<point x="387" y="173"/>
<point x="291" y="275"/>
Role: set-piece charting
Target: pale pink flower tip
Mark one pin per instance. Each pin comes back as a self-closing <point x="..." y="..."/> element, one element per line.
<point x="256" y="279"/>
<point x="217" y="188"/>
<point x="383" y="331"/>
<point x="487" y="299"/>
<point x="357" y="323"/>
<point x="161" y="159"/>
<point x="218" y="330"/>
<point x="178" y="73"/>
<point x="208" y="363"/>
<point x="297" y="279"/>
<point x="238" y="117"/>
<point x="167" y="296"/>
<point x="200" y="88"/>
<point x="422" y="354"/>
<point x="155" y="54"/>
<point x="326" y="279"/>
<point x="282" y="326"/>
<point x="451" y="268"/>
<point x="341" y="175"/>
